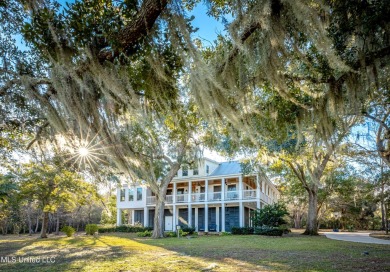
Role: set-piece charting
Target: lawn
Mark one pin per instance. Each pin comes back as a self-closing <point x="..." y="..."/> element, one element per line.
<point x="126" y="252"/>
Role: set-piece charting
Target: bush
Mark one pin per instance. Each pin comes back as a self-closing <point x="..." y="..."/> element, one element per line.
<point x="183" y="233"/>
<point x="90" y="229"/>
<point x="68" y="230"/>
<point x="170" y="234"/>
<point x="268" y="231"/>
<point x="270" y="215"/>
<point x="242" y="231"/>
<point x="123" y="228"/>
<point x="188" y="229"/>
<point x="225" y="233"/>
<point x="285" y="229"/>
<point x="146" y="233"/>
<point x="105" y="229"/>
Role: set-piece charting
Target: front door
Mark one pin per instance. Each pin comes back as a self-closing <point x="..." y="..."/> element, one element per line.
<point x="168" y="223"/>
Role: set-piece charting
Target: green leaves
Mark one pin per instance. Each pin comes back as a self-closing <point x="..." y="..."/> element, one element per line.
<point x="270" y="215"/>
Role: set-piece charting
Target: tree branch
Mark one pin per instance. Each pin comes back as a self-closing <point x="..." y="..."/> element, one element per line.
<point x="143" y="22"/>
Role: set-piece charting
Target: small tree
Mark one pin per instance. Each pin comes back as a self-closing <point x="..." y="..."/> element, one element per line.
<point x="270" y="215"/>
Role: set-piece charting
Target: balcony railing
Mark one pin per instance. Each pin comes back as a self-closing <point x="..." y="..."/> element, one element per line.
<point x="232" y="195"/>
<point x="198" y="197"/>
<point x="169" y="199"/>
<point x="150" y="200"/>
<point x="249" y="194"/>
<point x="217" y="196"/>
<point x="181" y="198"/>
<point x="213" y="197"/>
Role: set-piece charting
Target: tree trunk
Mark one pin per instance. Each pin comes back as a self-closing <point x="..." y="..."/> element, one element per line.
<point x="37" y="225"/>
<point x="311" y="225"/>
<point x="58" y="223"/>
<point x="387" y="219"/>
<point x="45" y="223"/>
<point x="383" y="213"/>
<point x="29" y="220"/>
<point x="297" y="219"/>
<point x="158" y="228"/>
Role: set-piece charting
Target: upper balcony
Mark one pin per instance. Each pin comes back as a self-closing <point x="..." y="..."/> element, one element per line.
<point x="230" y="189"/>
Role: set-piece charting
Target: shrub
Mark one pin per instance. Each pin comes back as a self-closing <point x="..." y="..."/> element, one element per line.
<point x="270" y="215"/>
<point x="242" y="231"/>
<point x="68" y="230"/>
<point x="268" y="231"/>
<point x="90" y="229"/>
<point x="105" y="229"/>
<point x="123" y="228"/>
<point x="183" y="233"/>
<point x="146" y="233"/>
<point x="170" y="234"/>
<point x="188" y="229"/>
<point x="285" y="229"/>
<point x="225" y="233"/>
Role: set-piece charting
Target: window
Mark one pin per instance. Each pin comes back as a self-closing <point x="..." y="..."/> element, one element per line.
<point x="232" y="187"/>
<point x="207" y="169"/>
<point x="139" y="194"/>
<point x="122" y="196"/>
<point x="195" y="172"/>
<point x="185" y="171"/>
<point x="131" y="194"/>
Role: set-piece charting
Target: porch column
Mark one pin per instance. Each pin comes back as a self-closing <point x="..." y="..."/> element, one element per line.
<point x="174" y="193"/>
<point x="206" y="190"/>
<point x="257" y="191"/>
<point x="223" y="216"/>
<point x="189" y="213"/>
<point x="129" y="217"/>
<point x="263" y="187"/>
<point x="217" y="218"/>
<point x="242" y="215"/>
<point x="240" y="187"/>
<point x="223" y="189"/>
<point x="146" y="217"/>
<point x="196" y="219"/>
<point x="174" y="217"/>
<point x="190" y="191"/>
<point x="206" y="217"/>
<point x="132" y="217"/>
<point x="126" y="193"/>
<point x="118" y="217"/>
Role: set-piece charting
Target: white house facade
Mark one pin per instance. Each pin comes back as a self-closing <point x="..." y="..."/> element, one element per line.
<point x="214" y="197"/>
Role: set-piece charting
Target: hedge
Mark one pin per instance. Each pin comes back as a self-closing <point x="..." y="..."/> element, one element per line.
<point x="268" y="231"/>
<point x="264" y="230"/>
<point x="123" y="228"/>
<point x="242" y="231"/>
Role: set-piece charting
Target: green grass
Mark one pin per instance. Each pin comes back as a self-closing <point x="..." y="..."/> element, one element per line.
<point x="126" y="252"/>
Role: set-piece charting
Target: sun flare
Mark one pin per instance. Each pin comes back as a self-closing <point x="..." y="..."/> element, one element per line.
<point x="83" y="151"/>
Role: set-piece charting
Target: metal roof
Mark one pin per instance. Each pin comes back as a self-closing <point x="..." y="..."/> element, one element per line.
<point x="227" y="168"/>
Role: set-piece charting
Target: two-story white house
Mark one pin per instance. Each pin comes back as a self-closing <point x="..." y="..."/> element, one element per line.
<point x="211" y="197"/>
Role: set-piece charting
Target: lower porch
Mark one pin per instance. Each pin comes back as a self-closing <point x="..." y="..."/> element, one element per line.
<point x="204" y="218"/>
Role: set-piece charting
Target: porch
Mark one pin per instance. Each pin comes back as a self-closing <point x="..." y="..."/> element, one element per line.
<point x="204" y="218"/>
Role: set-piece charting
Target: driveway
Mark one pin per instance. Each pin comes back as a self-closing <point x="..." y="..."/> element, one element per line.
<point x="358" y="237"/>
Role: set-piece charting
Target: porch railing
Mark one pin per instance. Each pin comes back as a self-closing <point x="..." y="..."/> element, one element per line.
<point x="213" y="196"/>
<point x="232" y="195"/>
<point x="151" y="200"/>
<point x="249" y="194"/>
<point x="216" y="196"/>
<point x="169" y="199"/>
<point x="182" y="198"/>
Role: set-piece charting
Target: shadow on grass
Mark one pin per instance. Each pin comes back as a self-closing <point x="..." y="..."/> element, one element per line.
<point x="125" y="252"/>
<point x="291" y="253"/>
